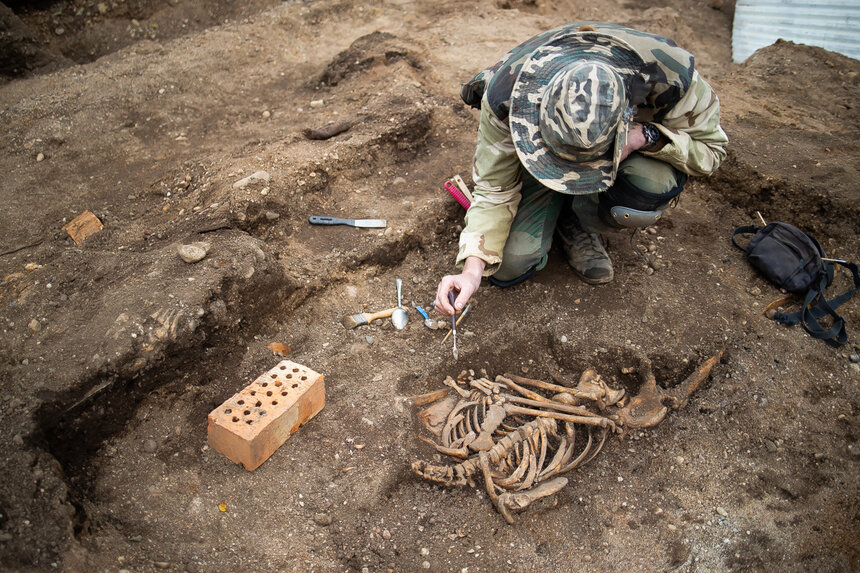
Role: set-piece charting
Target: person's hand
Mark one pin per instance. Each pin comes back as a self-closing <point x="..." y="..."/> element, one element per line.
<point x="635" y="140"/>
<point x="465" y="285"/>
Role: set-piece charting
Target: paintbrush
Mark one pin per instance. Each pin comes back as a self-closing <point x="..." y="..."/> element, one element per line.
<point x="366" y="317"/>
<point x="462" y="314"/>
<point x="453" y="322"/>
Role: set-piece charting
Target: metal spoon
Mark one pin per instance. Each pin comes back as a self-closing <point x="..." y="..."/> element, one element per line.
<point x="400" y="317"/>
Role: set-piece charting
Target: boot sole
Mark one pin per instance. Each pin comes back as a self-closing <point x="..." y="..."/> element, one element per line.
<point x="566" y="246"/>
<point x="592" y="281"/>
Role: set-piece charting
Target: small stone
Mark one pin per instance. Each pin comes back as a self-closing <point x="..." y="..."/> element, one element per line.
<point x="150" y="445"/>
<point x="770" y="446"/>
<point x="680" y="460"/>
<point x="426" y="565"/>
<point x="35" y="325"/>
<point x="649" y="271"/>
<point x="102" y="8"/>
<point x="317" y="103"/>
<point x="193" y="253"/>
<point x="18" y="440"/>
<point x="722" y="512"/>
<point x="256" y="177"/>
<point x="425" y="552"/>
<point x="272" y="215"/>
<point x="399" y="181"/>
<point x="386" y="534"/>
<point x="264" y="191"/>
<point x="564" y="339"/>
<point x="322" y="519"/>
<point x="369" y="339"/>
<point x="40" y="157"/>
<point x="672" y="527"/>
<point x="59" y="30"/>
<point x="267" y="114"/>
<point x="161" y="564"/>
<point x="755" y="291"/>
<point x="855" y="358"/>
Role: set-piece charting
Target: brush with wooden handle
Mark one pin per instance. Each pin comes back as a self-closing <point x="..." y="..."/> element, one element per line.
<point x="366" y="317"/>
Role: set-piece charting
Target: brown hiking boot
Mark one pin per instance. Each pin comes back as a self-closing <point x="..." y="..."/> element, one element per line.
<point x="585" y="253"/>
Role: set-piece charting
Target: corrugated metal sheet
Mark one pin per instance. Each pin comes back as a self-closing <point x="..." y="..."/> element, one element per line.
<point x="831" y="24"/>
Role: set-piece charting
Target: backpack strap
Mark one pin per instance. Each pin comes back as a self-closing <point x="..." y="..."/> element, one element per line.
<point x="745" y="230"/>
<point x="815" y="306"/>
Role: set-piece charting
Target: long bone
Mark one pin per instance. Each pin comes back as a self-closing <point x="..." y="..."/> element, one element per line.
<point x="522" y="391"/>
<point x="554" y="406"/>
<point x="587" y="420"/>
<point x="590" y="387"/>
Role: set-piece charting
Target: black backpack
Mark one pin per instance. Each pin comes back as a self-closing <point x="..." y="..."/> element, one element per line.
<point x="793" y="260"/>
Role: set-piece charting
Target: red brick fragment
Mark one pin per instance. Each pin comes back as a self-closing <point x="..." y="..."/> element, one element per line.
<point x="256" y="421"/>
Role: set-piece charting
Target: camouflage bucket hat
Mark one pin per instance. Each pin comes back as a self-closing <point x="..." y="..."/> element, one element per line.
<point x="570" y="110"/>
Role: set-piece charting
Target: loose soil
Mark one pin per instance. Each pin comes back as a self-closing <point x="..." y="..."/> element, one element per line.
<point x="115" y="350"/>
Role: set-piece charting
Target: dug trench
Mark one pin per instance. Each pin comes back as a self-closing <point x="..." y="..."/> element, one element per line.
<point x="135" y="456"/>
<point x="756" y="472"/>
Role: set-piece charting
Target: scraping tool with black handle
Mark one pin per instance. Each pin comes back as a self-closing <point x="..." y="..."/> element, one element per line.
<point x="371" y="223"/>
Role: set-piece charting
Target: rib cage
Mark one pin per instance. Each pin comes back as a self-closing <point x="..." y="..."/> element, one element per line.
<point x="521" y="442"/>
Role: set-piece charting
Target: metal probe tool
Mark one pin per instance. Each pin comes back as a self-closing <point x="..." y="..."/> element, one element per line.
<point x="453" y="322"/>
<point x="459" y="320"/>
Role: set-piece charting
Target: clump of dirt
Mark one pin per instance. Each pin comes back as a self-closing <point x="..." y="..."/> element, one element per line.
<point x="154" y="115"/>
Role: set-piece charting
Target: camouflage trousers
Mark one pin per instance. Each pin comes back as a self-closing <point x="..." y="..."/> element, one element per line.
<point x="527" y="247"/>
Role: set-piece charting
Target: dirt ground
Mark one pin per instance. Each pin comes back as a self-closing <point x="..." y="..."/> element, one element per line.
<point x="146" y="113"/>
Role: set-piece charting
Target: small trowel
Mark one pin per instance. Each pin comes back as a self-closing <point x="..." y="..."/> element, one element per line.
<point x="371" y="223"/>
<point x="399" y="318"/>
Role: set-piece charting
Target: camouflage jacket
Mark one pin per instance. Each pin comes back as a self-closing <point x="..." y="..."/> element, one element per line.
<point x="680" y="104"/>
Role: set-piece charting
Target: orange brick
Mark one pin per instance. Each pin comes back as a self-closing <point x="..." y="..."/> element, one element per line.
<point x="255" y="422"/>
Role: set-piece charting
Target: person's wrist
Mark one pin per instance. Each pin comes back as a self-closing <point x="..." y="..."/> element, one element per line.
<point x="651" y="135"/>
<point x="474" y="268"/>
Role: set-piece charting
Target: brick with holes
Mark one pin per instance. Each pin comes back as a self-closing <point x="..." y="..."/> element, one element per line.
<point x="256" y="421"/>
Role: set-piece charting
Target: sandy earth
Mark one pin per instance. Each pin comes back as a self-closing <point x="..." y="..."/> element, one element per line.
<point x="115" y="350"/>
